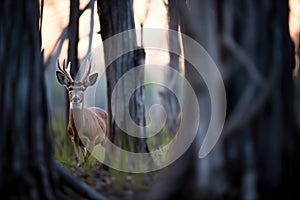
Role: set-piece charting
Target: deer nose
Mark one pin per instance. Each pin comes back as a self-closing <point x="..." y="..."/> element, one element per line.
<point x="75" y="99"/>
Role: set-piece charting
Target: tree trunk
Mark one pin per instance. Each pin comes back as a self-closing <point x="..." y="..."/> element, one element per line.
<point x="73" y="35"/>
<point x="260" y="53"/>
<point x="257" y="156"/>
<point x="25" y="168"/>
<point x="115" y="17"/>
<point x="169" y="100"/>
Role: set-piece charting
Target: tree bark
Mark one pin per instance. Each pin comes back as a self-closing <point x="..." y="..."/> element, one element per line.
<point x="267" y="141"/>
<point x="169" y="100"/>
<point x="73" y="36"/>
<point x="116" y="17"/>
<point x="25" y="168"/>
<point x="257" y="156"/>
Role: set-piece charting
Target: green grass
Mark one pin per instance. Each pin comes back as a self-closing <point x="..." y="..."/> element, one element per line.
<point x="63" y="151"/>
<point x="62" y="147"/>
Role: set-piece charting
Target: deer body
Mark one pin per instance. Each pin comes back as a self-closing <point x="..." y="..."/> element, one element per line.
<point x="89" y="130"/>
<point x="87" y="127"/>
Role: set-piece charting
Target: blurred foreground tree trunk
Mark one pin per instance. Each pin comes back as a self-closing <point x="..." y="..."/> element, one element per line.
<point x="257" y="156"/>
<point x="115" y="17"/>
<point x="27" y="166"/>
<point x="262" y="146"/>
<point x="25" y="146"/>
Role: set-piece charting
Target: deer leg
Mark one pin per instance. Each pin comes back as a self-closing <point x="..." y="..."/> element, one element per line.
<point x="86" y="147"/>
<point x="87" y="150"/>
<point x="86" y="154"/>
<point x="76" y="153"/>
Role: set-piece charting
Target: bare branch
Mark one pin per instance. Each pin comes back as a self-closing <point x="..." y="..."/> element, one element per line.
<point x="58" y="46"/>
<point x="146" y="13"/>
<point x="88" y="5"/>
<point x="245" y="101"/>
<point x="244" y="59"/>
<point x="91" y="27"/>
<point x="165" y="2"/>
<point x="238" y="122"/>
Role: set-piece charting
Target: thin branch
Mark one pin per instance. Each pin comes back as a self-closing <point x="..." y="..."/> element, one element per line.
<point x="244" y="102"/>
<point x="165" y="2"/>
<point x="50" y="67"/>
<point x="64" y="35"/>
<point x="58" y="46"/>
<point x="242" y="106"/>
<point x="91" y="27"/>
<point x="88" y="5"/>
<point x="237" y="122"/>
<point x="77" y="185"/>
<point x="142" y="20"/>
<point x="244" y="59"/>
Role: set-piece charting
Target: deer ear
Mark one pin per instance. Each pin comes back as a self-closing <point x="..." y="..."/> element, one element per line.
<point x="91" y="80"/>
<point x="62" y="79"/>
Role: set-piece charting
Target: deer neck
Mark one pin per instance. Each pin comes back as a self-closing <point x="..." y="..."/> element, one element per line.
<point x="76" y="114"/>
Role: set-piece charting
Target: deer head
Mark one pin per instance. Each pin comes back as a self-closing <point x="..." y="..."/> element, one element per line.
<point x="75" y="88"/>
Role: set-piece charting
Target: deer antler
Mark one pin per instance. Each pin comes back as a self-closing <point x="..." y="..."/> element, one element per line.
<point x="63" y="69"/>
<point x="86" y="74"/>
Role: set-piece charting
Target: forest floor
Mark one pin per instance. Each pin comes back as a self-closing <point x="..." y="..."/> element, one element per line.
<point x="113" y="184"/>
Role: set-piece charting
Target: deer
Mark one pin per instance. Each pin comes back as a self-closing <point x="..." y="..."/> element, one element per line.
<point x="87" y="127"/>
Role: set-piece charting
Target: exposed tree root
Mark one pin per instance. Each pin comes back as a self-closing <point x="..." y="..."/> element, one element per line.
<point x="77" y="185"/>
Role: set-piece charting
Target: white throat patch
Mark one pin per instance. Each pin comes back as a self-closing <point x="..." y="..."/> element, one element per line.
<point x="75" y="105"/>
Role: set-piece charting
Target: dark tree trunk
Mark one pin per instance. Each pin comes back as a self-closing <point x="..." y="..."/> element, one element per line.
<point x="257" y="156"/>
<point x="25" y="168"/>
<point x="170" y="102"/>
<point x="265" y="135"/>
<point x="115" y="17"/>
<point x="73" y="35"/>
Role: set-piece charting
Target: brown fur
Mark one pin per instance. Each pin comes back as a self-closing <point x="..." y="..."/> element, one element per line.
<point x="93" y="124"/>
<point x="87" y="126"/>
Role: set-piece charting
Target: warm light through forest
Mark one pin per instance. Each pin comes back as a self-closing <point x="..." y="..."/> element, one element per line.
<point x="294" y="25"/>
<point x="151" y="12"/>
<point x="202" y="103"/>
<point x="56" y="18"/>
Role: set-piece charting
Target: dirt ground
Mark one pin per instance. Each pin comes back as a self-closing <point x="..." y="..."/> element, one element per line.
<point x="113" y="184"/>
